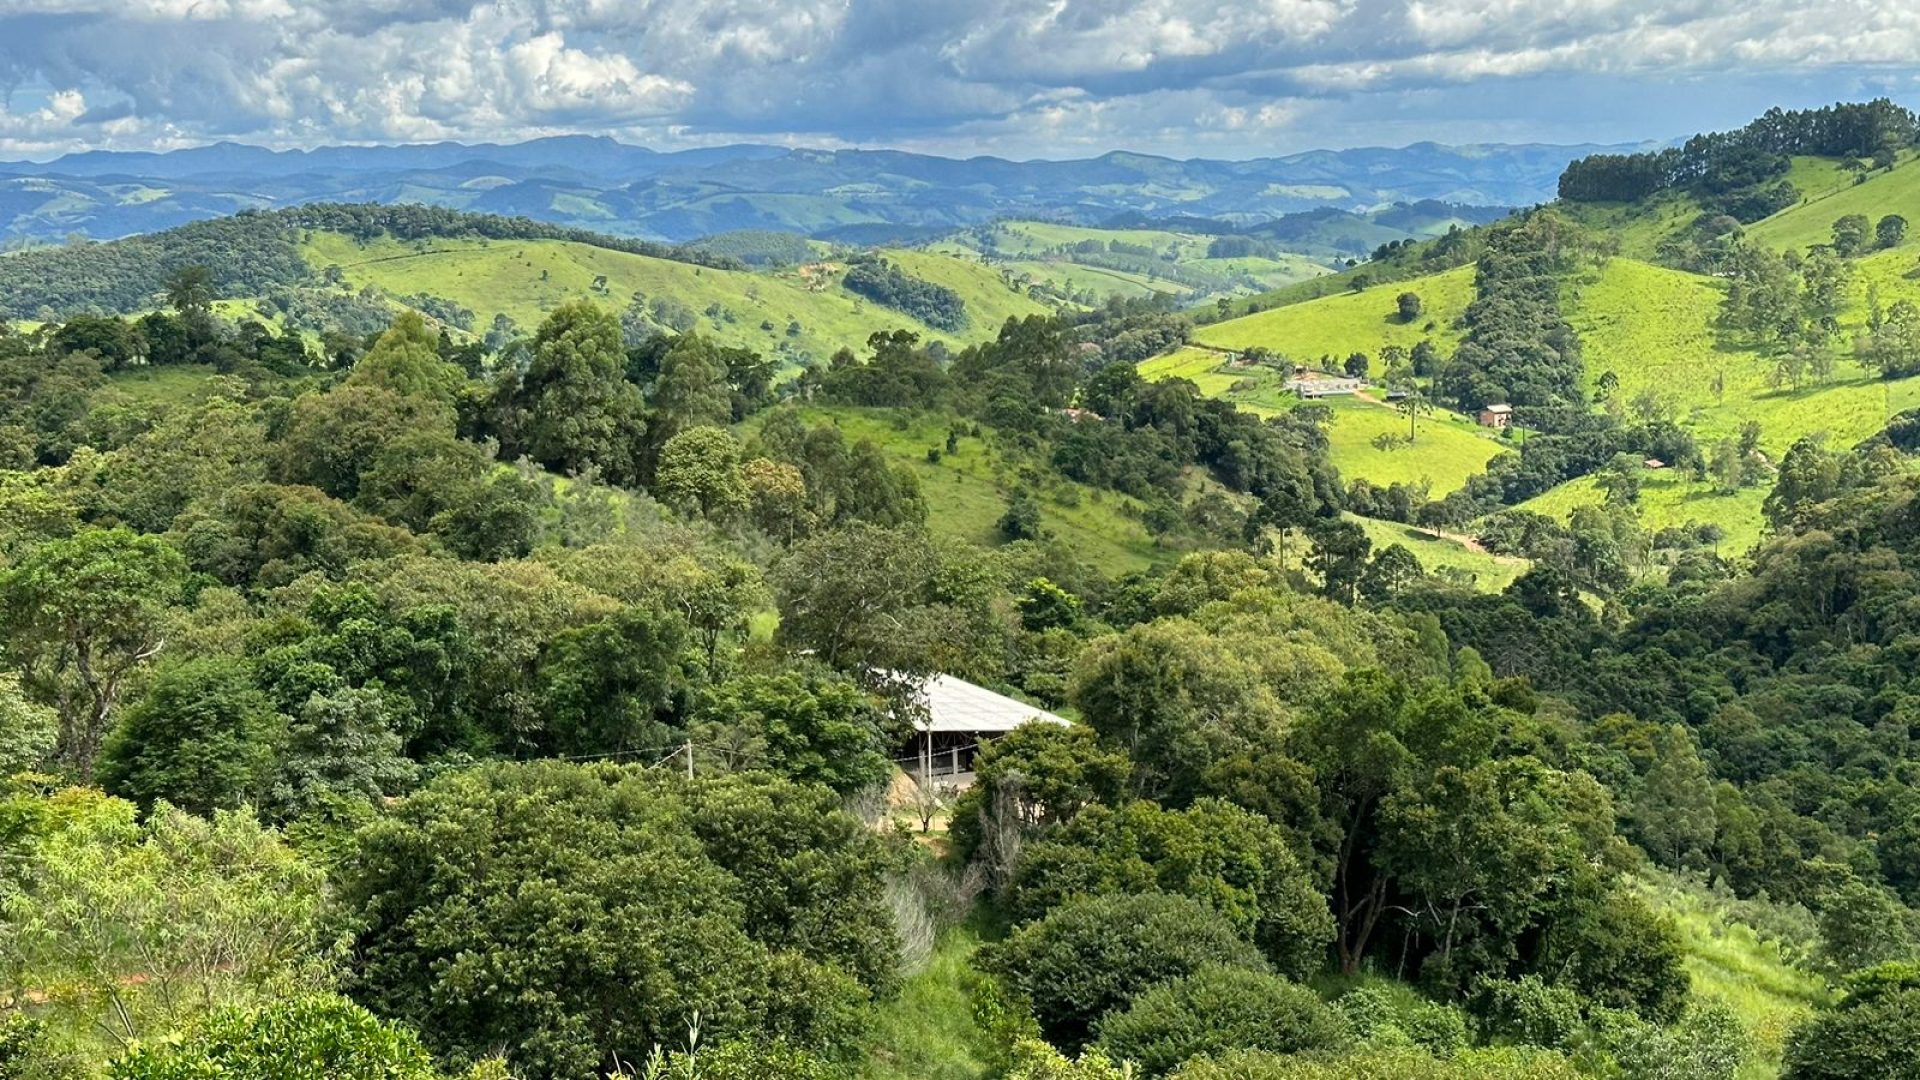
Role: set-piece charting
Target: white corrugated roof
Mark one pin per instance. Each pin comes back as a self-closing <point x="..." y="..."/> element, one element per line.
<point x="954" y="704"/>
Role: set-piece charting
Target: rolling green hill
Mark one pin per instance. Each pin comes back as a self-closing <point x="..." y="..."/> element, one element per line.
<point x="1090" y="264"/>
<point x="1352" y="321"/>
<point x="966" y="490"/>
<point x="1831" y="192"/>
<point x="526" y="279"/>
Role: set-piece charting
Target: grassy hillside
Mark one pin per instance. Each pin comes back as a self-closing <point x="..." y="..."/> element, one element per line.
<point x="1652" y="327"/>
<point x="1442" y="555"/>
<point x="1730" y="963"/>
<point x="966" y="490"/>
<point x="1126" y="262"/>
<point x="1447" y="447"/>
<point x="527" y="279"/>
<point x="1831" y="192"/>
<point x="1352" y="321"/>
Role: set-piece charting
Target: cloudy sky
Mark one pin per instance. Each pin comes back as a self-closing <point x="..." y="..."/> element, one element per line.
<point x="1017" y="78"/>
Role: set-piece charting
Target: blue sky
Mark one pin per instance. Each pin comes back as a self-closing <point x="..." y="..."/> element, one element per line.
<point x="1015" y="78"/>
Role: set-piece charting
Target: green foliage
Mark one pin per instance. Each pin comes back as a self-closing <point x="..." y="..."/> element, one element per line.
<point x="807" y="725"/>
<point x="572" y="914"/>
<point x="1873" y="1035"/>
<point x="1219" y="1009"/>
<point x="79" y="616"/>
<point x="573" y="407"/>
<point x="1492" y="1064"/>
<point x="1230" y="859"/>
<point x="699" y="471"/>
<point x="339" y="745"/>
<point x="203" y="738"/>
<point x="129" y="931"/>
<point x="27" y="729"/>
<point x="1090" y="956"/>
<point x="310" y="1038"/>
<point x="884" y="282"/>
<point x="610" y="688"/>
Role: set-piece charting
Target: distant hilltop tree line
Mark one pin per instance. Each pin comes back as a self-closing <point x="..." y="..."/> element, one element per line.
<point x="1743" y="172"/>
<point x="256" y="252"/>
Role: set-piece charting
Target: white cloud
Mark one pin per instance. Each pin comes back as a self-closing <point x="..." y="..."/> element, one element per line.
<point x="908" y="72"/>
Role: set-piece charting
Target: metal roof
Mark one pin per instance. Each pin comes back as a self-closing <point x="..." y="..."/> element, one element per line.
<point x="954" y="704"/>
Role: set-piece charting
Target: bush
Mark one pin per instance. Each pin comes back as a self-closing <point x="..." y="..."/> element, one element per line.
<point x="574" y="913"/>
<point x="1090" y="956"/>
<point x="1231" y="859"/>
<point x="1873" y="1035"/>
<point x="1527" y="1011"/>
<point x="312" y="1038"/>
<point x="1217" y="1009"/>
<point x="1494" y="1064"/>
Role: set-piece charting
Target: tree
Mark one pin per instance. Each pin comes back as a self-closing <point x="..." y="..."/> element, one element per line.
<point x="1891" y="231"/>
<point x="609" y="688"/>
<point x="691" y="390"/>
<point x="1228" y="858"/>
<point x="203" y="738"/>
<point x="146" y="926"/>
<point x="318" y="1037"/>
<point x="1408" y="306"/>
<point x="1217" y="1009"/>
<point x="776" y="497"/>
<point x="407" y="361"/>
<point x="1339" y="557"/>
<point x="80" y="615"/>
<point x="27" y="729"/>
<point x="574" y="408"/>
<point x="579" y="916"/>
<point x="1873" y="1035"/>
<point x="1356" y="365"/>
<point x="1809" y="475"/>
<point x="846" y="594"/>
<point x="189" y="291"/>
<point x="1175" y="698"/>
<point x="810" y="726"/>
<point x="699" y="470"/>
<point x="340" y="745"/>
<point x="1850" y="235"/>
<point x="1091" y="956"/>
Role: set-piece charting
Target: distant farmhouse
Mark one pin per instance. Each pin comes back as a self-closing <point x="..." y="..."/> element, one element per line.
<point x="956" y="719"/>
<point x="1311" y="384"/>
<point x="1496" y="416"/>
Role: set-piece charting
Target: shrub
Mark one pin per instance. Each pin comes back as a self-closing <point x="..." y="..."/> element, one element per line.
<point x="1090" y="956"/>
<point x="1217" y="1009"/>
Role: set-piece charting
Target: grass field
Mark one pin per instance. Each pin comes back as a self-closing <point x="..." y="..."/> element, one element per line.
<point x="1667" y="499"/>
<point x="1831" y="193"/>
<point x="1352" y="322"/>
<point x="966" y="490"/>
<point x="1447" y="447"/>
<point x="1730" y="963"/>
<point x="1490" y="573"/>
<point x="527" y="279"/>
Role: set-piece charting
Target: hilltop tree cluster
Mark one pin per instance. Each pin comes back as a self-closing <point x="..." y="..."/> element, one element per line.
<point x="1742" y="173"/>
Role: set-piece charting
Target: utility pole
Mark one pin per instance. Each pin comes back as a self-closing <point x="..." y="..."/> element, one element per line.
<point x="689" y="752"/>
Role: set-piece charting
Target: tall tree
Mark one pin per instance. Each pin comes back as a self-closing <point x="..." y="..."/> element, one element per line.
<point x="79" y="616"/>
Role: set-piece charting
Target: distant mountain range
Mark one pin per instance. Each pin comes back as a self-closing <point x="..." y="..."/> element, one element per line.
<point x="601" y="184"/>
